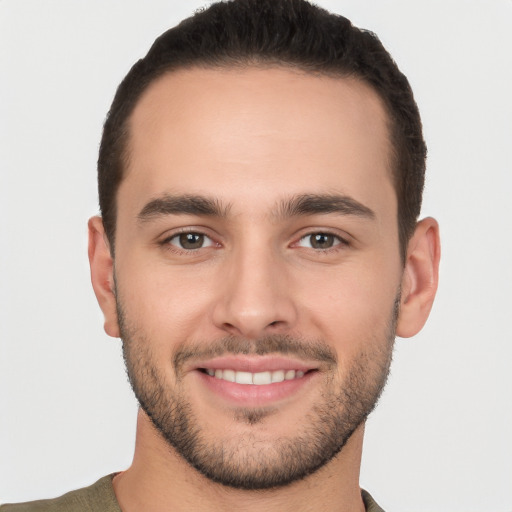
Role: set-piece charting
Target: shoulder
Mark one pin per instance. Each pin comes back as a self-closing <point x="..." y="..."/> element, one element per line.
<point x="98" y="497"/>
<point x="369" y="503"/>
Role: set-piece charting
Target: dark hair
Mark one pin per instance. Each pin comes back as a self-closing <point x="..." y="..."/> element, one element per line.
<point x="273" y="32"/>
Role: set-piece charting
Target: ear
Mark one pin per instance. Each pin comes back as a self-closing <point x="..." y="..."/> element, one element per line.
<point x="420" y="278"/>
<point x="102" y="274"/>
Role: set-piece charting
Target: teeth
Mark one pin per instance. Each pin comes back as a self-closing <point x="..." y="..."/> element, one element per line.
<point x="260" y="378"/>
<point x="229" y="375"/>
<point x="243" y="377"/>
<point x="278" y="376"/>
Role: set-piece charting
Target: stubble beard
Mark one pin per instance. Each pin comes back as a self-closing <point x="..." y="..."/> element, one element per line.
<point x="245" y="462"/>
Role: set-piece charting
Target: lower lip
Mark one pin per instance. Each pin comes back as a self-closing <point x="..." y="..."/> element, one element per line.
<point x="252" y="395"/>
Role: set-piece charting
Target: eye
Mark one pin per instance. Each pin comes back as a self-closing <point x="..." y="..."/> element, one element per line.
<point x="320" y="241"/>
<point x="190" y="241"/>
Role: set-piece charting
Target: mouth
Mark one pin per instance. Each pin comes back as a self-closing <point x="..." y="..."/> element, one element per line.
<point x="250" y="381"/>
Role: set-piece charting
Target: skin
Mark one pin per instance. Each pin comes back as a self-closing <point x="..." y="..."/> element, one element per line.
<point x="252" y="140"/>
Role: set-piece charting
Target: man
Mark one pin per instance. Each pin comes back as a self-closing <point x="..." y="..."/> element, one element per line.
<point x="260" y="180"/>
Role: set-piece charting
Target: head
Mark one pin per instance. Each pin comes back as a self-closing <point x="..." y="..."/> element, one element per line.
<point x="260" y="179"/>
<point x="289" y="33"/>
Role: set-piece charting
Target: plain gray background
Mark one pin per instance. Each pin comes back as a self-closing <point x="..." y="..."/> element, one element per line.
<point x="441" y="439"/>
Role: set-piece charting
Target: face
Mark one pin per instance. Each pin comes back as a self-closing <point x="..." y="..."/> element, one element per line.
<point x="257" y="267"/>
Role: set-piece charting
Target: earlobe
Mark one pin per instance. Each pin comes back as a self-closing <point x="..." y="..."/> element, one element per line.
<point x="102" y="274"/>
<point x="420" y="278"/>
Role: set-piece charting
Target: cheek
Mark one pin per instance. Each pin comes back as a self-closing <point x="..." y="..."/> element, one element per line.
<point x="162" y="301"/>
<point x="350" y="307"/>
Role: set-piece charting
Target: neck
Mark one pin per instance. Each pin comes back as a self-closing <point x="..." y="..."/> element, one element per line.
<point x="160" y="480"/>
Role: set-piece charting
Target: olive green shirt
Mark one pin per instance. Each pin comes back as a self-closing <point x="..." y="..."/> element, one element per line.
<point x="100" y="497"/>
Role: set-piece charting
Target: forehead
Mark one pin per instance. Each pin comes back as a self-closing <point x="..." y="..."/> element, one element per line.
<point x="257" y="132"/>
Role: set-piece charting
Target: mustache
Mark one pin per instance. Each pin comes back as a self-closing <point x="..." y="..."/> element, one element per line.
<point x="273" y="344"/>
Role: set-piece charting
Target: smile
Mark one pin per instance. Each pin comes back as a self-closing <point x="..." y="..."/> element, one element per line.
<point x="258" y="379"/>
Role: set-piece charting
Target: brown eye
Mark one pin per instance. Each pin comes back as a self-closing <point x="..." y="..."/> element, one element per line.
<point x="320" y="241"/>
<point x="190" y="241"/>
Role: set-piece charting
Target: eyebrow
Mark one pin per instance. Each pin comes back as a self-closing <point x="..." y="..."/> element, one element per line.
<point x="182" y="205"/>
<point x="304" y="204"/>
<point x="314" y="204"/>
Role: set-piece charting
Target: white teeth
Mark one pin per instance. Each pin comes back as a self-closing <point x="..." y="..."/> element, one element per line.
<point x="243" y="377"/>
<point x="229" y="375"/>
<point x="278" y="376"/>
<point x="260" y="378"/>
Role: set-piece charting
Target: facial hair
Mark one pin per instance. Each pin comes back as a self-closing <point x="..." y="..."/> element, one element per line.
<point x="244" y="462"/>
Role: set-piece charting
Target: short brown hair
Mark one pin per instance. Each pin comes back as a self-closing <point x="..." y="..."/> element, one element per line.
<point x="281" y="32"/>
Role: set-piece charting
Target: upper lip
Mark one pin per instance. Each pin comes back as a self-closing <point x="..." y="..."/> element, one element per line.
<point x="253" y="363"/>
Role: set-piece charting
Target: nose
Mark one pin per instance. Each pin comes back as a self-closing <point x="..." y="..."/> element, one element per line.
<point x="255" y="298"/>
